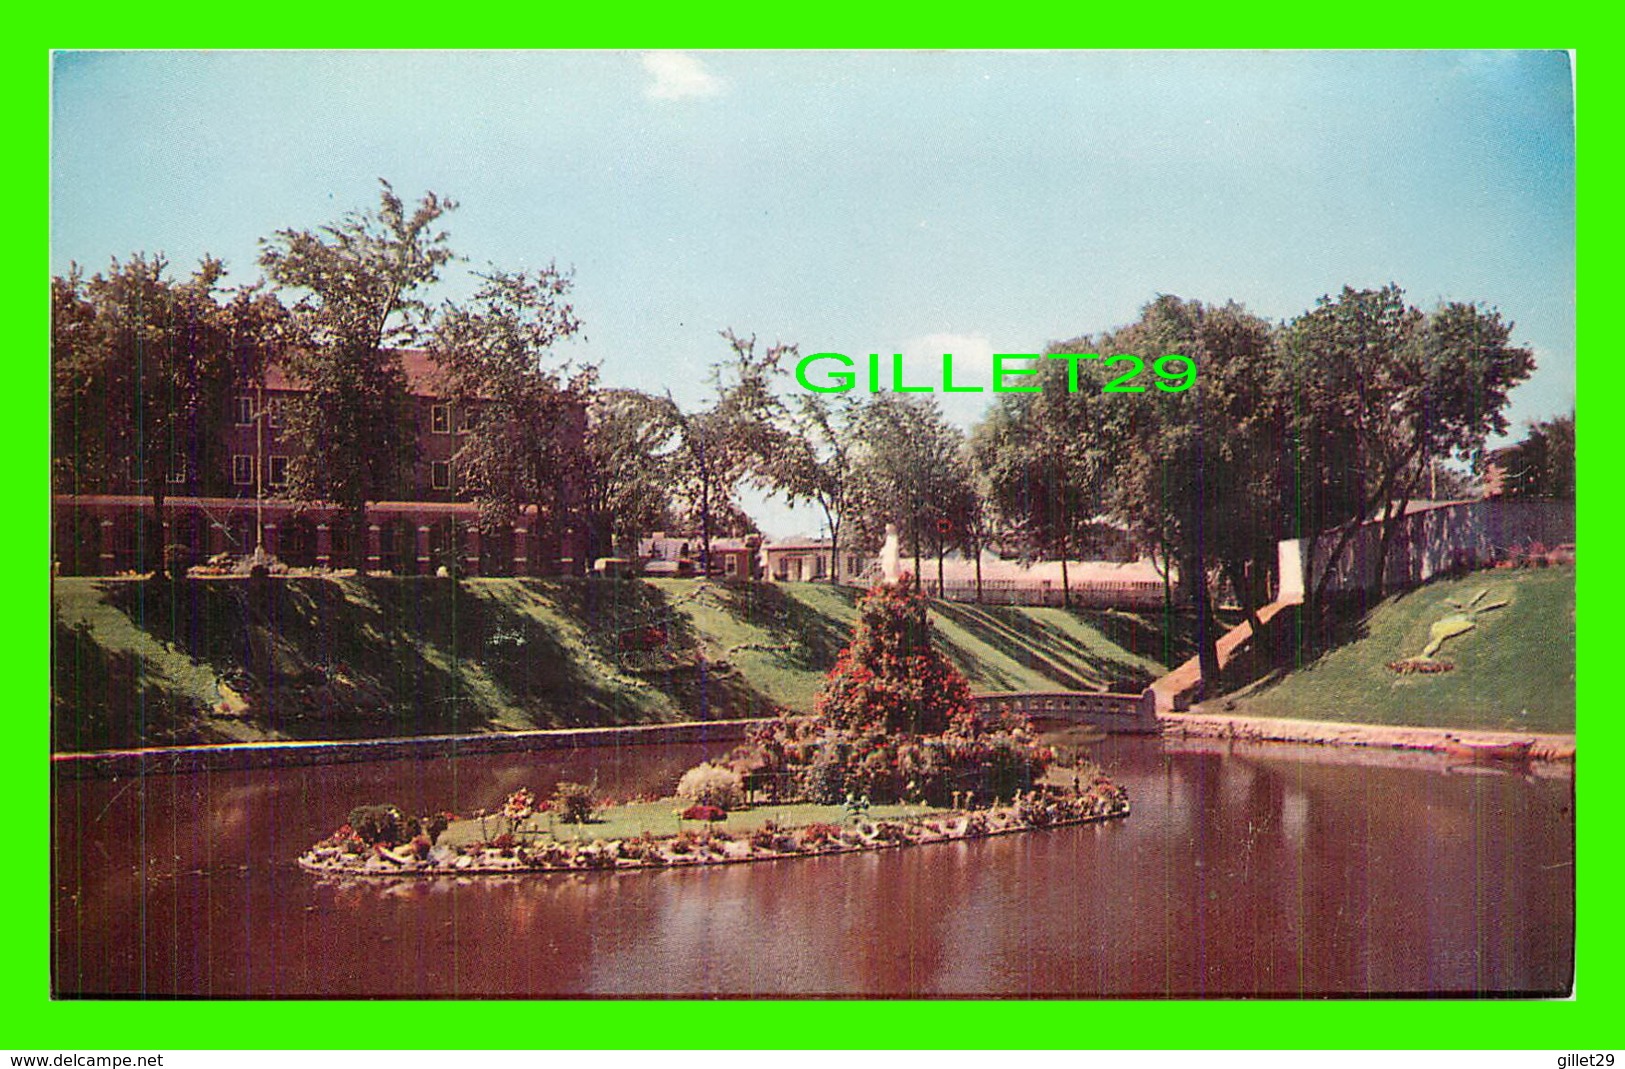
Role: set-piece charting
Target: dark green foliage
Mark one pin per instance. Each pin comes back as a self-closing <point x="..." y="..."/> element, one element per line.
<point x="178" y="558"/>
<point x="1542" y="465"/>
<point x="352" y="426"/>
<point x="574" y="802"/>
<point x="526" y="447"/>
<point x="383" y="825"/>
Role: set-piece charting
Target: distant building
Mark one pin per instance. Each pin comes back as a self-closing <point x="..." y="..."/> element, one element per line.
<point x="731" y="558"/>
<point x="237" y="501"/>
<point x="807" y="560"/>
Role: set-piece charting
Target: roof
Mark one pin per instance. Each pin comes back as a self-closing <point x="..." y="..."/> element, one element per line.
<point x="797" y="542"/>
<point x="423" y="375"/>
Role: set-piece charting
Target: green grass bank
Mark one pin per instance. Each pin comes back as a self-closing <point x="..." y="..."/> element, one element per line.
<point x="1513" y="671"/>
<point x="137" y="663"/>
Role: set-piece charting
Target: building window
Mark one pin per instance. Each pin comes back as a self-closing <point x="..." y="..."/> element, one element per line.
<point x="471" y="418"/>
<point x="852" y="566"/>
<point x="730" y="565"/>
<point x="440" y="475"/>
<point x="242" y="469"/>
<point x="273" y="410"/>
<point x="177" y="472"/>
<point x="245" y="409"/>
<point x="277" y="471"/>
<point x="440" y="419"/>
<point x="818" y="567"/>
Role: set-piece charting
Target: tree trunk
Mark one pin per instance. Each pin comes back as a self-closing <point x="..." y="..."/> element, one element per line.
<point x="914" y="533"/>
<point x="358" y="537"/>
<point x="1236" y="572"/>
<point x="1066" y="584"/>
<point x="1390" y="526"/>
<point x="834" y="546"/>
<point x="159" y="570"/>
<point x="1207" y="638"/>
<point x="978" y="575"/>
<point x="940" y="588"/>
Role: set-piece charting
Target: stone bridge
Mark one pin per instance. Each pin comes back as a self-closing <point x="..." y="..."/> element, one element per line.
<point x="1120" y="713"/>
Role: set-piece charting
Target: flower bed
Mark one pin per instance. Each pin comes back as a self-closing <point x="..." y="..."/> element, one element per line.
<point x="346" y="853"/>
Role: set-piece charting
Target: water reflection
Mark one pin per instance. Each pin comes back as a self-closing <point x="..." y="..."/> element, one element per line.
<point x="1244" y="870"/>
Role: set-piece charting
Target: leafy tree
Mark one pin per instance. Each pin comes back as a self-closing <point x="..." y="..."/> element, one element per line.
<point x="811" y="455"/>
<point x="1042" y="466"/>
<point x="972" y="520"/>
<point x="1381" y="391"/>
<point x="525" y="448"/>
<point x="717" y="446"/>
<point x="1191" y="471"/>
<point x="905" y="468"/>
<point x="143" y="368"/>
<point x="1542" y="465"/>
<point x="630" y="437"/>
<point x="352" y="424"/>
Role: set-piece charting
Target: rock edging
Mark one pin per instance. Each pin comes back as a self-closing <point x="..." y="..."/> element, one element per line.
<point x="1339" y="733"/>
<point x="645" y="854"/>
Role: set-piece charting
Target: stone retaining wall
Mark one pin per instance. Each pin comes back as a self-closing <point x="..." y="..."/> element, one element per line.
<point x="279" y="754"/>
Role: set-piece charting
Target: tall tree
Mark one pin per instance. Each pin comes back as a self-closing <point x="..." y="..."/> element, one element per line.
<point x="1043" y="463"/>
<point x="142" y="366"/>
<point x="1542" y="465"/>
<point x="526" y="421"/>
<point x="718" y="445"/>
<point x="811" y="456"/>
<point x="359" y="281"/>
<point x="630" y="439"/>
<point x="1382" y="390"/>
<point x="1192" y="463"/>
<point x="905" y="471"/>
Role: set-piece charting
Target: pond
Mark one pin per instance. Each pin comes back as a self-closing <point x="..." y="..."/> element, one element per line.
<point x="1244" y="870"/>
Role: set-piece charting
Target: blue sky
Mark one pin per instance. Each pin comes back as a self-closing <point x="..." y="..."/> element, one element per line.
<point x="892" y="201"/>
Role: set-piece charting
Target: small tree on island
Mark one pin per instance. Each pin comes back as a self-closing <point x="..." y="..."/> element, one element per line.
<point x="895" y="721"/>
<point x="890" y="678"/>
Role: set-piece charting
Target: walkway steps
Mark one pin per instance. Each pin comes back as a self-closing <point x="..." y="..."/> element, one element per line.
<point x="1175" y="690"/>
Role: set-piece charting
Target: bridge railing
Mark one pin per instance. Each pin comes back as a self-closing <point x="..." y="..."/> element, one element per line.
<point x="1126" y="713"/>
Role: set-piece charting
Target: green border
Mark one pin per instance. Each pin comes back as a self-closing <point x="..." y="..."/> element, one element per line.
<point x="36" y="1022"/>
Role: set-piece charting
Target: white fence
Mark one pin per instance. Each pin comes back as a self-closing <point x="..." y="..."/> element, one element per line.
<point x="1112" y="594"/>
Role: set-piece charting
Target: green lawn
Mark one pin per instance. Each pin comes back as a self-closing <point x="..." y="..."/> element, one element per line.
<point x="138" y="664"/>
<point x="660" y="819"/>
<point x="1513" y="671"/>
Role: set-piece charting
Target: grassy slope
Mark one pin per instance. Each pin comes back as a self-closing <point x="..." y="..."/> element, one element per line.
<point x="1514" y="671"/>
<point x="135" y="663"/>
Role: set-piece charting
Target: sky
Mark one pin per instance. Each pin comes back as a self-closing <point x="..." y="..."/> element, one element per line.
<point x="857" y="202"/>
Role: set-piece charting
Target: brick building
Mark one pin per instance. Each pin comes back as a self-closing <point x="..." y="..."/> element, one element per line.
<point x="230" y="498"/>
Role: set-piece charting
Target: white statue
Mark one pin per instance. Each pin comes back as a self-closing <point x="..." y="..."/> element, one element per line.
<point x="890" y="556"/>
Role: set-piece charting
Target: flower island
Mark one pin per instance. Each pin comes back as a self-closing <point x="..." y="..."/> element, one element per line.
<point x="896" y="754"/>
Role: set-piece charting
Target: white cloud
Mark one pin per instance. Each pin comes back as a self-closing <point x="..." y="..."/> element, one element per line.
<point x="972" y="366"/>
<point x="679" y="76"/>
<point x="973" y="353"/>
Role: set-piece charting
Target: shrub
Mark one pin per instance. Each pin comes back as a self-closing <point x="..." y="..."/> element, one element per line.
<point x="890" y="677"/>
<point x="178" y="558"/>
<point x="382" y="825"/>
<point x="772" y="837"/>
<point x="712" y="785"/>
<point x="815" y="835"/>
<point x="824" y="779"/>
<point x="574" y="802"/>
<point x="706" y="813"/>
<point x="436" y="823"/>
